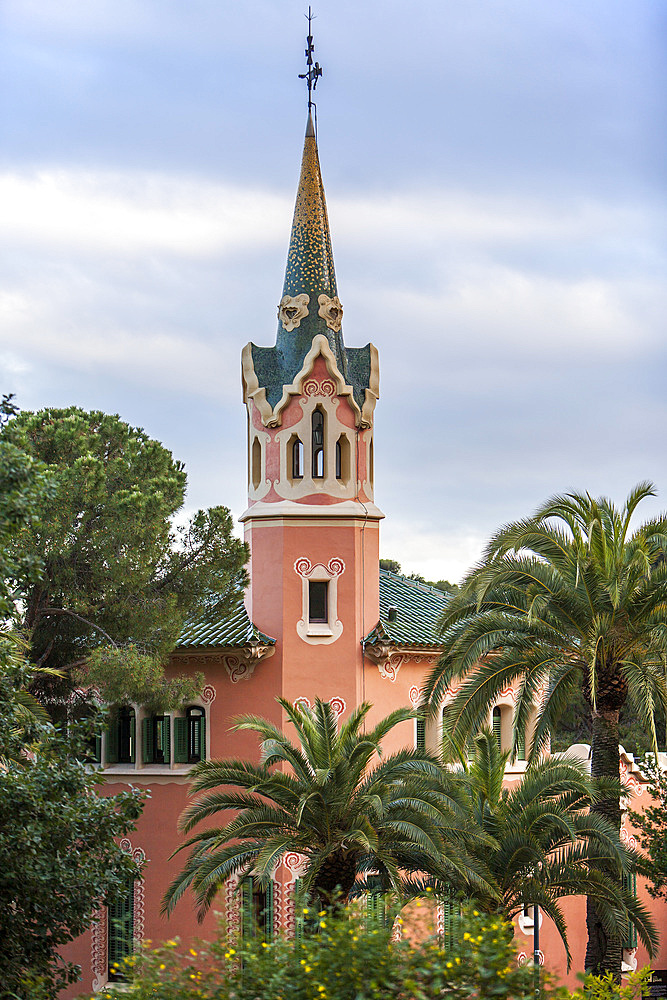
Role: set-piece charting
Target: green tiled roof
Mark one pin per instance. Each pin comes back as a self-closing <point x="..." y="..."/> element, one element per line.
<point x="237" y="630"/>
<point x="418" y="611"/>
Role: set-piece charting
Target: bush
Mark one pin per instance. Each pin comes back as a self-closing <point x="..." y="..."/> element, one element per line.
<point x="341" y="960"/>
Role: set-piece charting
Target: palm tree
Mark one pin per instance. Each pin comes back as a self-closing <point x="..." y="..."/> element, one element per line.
<point x="328" y="798"/>
<point x="570" y="599"/>
<point x="546" y="842"/>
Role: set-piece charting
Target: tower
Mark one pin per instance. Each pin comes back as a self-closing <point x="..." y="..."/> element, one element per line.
<point x="311" y="522"/>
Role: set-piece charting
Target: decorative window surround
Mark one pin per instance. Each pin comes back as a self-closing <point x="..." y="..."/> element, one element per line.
<point x="317" y="395"/>
<point x="99" y="935"/>
<point x="319" y="633"/>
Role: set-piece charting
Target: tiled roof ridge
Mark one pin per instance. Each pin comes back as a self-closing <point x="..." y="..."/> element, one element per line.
<point x="417" y="584"/>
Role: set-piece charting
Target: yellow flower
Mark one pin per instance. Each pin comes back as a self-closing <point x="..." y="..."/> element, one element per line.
<point x="303" y="961"/>
<point x="321" y="989"/>
<point x="458" y="961"/>
<point x="323" y="923"/>
<point x="171" y="943"/>
<point x="355" y="938"/>
<point x="193" y="952"/>
<point x="305" y="910"/>
<point x="264" y="944"/>
<point x="475" y="913"/>
<point x="429" y="889"/>
<point x="466" y="937"/>
<point x="307" y="969"/>
<point x="192" y="975"/>
<point x="399" y="920"/>
<point x="322" y="913"/>
<point x="163" y="967"/>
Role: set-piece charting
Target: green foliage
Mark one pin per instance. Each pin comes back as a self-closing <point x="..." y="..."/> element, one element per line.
<point x="609" y="988"/>
<point x="115" y="568"/>
<point x="342" y="960"/>
<point x="651" y="826"/>
<point x="129" y="676"/>
<point x="542" y="839"/>
<point x="571" y="599"/>
<point x="331" y="797"/>
<point x="58" y="850"/>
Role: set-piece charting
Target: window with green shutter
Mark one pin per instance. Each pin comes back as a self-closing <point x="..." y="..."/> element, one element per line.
<point x="196" y="734"/>
<point x="630" y="885"/>
<point x="120" y="934"/>
<point x="256" y="909"/>
<point x="299" y="906"/>
<point x="121" y="737"/>
<point x="497" y="727"/>
<point x="156" y="739"/>
<point x="449" y="915"/>
<point x="376" y="903"/>
<point x="180" y="740"/>
<point x="420" y="735"/>
<point x="521" y="744"/>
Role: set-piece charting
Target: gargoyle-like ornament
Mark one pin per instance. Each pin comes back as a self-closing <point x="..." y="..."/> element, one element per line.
<point x="331" y="312"/>
<point x="292" y="309"/>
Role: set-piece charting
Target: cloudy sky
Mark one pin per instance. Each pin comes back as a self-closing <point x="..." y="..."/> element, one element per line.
<point x="495" y="174"/>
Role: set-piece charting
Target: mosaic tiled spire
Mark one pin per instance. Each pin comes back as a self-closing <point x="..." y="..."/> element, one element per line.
<point x="310" y="269"/>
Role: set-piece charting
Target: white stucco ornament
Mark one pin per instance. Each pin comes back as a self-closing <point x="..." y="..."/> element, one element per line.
<point x="292" y="309"/>
<point x="331" y="311"/>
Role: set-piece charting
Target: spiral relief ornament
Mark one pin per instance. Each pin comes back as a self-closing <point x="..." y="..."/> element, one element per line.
<point x="313" y="387"/>
<point x="336" y="567"/>
<point x="414" y="695"/>
<point x="208" y="694"/>
<point x="303" y="566"/>
<point x="338" y="706"/>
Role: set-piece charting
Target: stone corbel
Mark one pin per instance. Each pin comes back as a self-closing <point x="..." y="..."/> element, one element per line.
<point x="386" y="658"/>
<point x="240" y="665"/>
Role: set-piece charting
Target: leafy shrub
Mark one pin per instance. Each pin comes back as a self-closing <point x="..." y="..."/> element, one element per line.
<point x="341" y="960"/>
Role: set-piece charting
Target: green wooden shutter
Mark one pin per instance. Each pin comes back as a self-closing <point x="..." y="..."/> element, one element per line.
<point x="120" y="936"/>
<point x="496" y="728"/>
<point x="269" y="915"/>
<point x="112" y="739"/>
<point x="521" y="744"/>
<point x="247" y="922"/>
<point x="447" y="921"/>
<point x="147" y="736"/>
<point x="166" y="739"/>
<point x="298" y="911"/>
<point x="202" y="738"/>
<point x="133" y="737"/>
<point x="630" y="885"/>
<point x="421" y="736"/>
<point x="97" y="749"/>
<point x="180" y="740"/>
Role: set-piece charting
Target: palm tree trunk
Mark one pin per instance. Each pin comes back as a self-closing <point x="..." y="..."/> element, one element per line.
<point x="603" y="951"/>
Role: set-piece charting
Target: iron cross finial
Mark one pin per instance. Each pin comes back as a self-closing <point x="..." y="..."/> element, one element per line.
<point x="314" y="71"/>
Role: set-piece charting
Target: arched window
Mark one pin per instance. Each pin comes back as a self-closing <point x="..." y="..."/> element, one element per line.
<point x="256" y="463"/>
<point x="317" y="427"/>
<point x="342" y="458"/>
<point x="297" y="458"/>
<point x="497" y="730"/>
<point x="121" y="737"/>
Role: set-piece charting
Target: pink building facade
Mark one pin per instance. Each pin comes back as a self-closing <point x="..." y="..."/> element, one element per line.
<point x="320" y="619"/>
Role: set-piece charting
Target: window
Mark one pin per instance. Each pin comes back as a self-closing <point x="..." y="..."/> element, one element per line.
<point x="190" y="737"/>
<point x="630" y="885"/>
<point x="343" y="458"/>
<point x="297" y="458"/>
<point x="256" y="463"/>
<point x="121" y="737"/>
<point x="257" y="909"/>
<point x="497" y="731"/>
<point x="317" y="429"/>
<point x="521" y="745"/>
<point x="156" y="740"/>
<point x="420" y="735"/>
<point x="451" y="911"/>
<point x="318" y="600"/>
<point x="120" y="936"/>
<point x="376" y="903"/>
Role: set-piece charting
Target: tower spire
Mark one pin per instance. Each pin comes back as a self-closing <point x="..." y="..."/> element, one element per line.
<point x="310" y="303"/>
